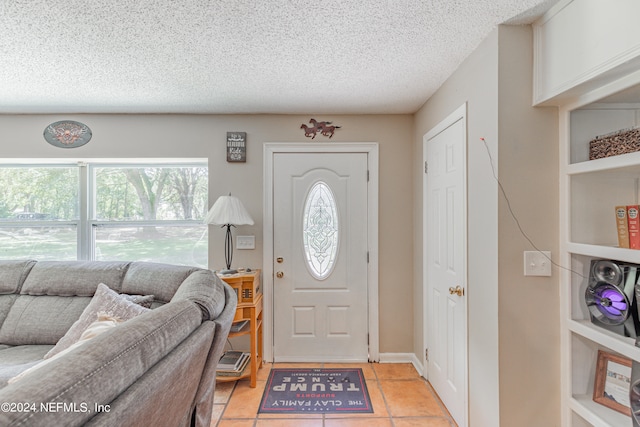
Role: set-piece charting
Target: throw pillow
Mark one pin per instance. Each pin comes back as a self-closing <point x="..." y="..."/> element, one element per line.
<point x="103" y="324"/>
<point x="143" y="300"/>
<point x="104" y="301"/>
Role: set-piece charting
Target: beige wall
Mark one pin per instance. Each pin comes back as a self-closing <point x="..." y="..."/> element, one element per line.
<point x="513" y="350"/>
<point x="204" y="136"/>
<point x="528" y="306"/>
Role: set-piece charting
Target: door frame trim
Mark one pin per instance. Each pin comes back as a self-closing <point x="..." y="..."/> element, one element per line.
<point x="269" y="150"/>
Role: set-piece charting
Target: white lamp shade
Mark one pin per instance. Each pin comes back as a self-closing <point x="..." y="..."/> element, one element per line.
<point x="228" y="210"/>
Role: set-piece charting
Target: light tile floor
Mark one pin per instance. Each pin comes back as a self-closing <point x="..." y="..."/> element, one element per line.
<point x="400" y="398"/>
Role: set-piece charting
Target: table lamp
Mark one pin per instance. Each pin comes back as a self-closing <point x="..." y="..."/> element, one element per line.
<point x="228" y="211"/>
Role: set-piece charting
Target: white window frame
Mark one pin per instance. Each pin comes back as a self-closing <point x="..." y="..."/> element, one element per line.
<point x="86" y="223"/>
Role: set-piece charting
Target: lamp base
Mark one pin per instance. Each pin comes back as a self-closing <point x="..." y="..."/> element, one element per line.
<point x="228" y="271"/>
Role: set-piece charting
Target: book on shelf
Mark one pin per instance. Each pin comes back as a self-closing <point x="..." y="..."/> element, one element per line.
<point x="236" y="372"/>
<point x="633" y="223"/>
<point x="231" y="360"/>
<point x="237" y="326"/>
<point x="622" y="226"/>
<point x="237" y="368"/>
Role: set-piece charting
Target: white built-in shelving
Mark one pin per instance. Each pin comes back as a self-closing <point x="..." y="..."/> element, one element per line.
<point x="587" y="63"/>
<point x="590" y="189"/>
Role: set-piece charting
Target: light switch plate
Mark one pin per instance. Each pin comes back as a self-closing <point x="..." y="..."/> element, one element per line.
<point x="245" y="242"/>
<point x="537" y="263"/>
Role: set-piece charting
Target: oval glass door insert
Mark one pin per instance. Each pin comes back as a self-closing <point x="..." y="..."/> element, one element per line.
<point x="320" y="230"/>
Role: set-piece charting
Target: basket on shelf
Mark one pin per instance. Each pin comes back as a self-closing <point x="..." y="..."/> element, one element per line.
<point x="615" y="143"/>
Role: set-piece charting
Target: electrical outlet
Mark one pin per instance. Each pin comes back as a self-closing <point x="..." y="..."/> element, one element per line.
<point x="245" y="242"/>
<point x="537" y="263"/>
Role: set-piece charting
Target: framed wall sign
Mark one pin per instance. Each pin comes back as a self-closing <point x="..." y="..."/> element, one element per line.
<point x="236" y="146"/>
<point x="612" y="382"/>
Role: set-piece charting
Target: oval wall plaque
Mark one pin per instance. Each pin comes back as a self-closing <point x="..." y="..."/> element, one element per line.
<point x="67" y="134"/>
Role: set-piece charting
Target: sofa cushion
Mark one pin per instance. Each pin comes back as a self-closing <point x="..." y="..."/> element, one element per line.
<point x="74" y="278"/>
<point x="161" y="280"/>
<point x="102" y="324"/>
<point x="104" y="301"/>
<point x="205" y="289"/>
<point x="17" y="354"/>
<point x="6" y="301"/>
<point x="12" y="275"/>
<point x="40" y="319"/>
<point x="16" y="359"/>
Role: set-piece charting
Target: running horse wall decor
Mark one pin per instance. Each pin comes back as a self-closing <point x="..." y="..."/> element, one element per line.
<point x="324" y="128"/>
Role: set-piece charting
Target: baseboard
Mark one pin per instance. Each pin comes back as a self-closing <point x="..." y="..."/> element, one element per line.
<point x="403" y="358"/>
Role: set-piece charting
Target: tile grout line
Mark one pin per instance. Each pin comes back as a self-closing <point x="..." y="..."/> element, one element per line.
<point x="225" y="403"/>
<point x="384" y="398"/>
<point x="443" y="408"/>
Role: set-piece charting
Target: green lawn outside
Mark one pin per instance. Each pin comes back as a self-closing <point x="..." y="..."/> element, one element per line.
<point x="174" y="245"/>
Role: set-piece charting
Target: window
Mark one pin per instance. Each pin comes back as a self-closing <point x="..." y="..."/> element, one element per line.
<point x="320" y="230"/>
<point x="39" y="212"/>
<point x="142" y="212"/>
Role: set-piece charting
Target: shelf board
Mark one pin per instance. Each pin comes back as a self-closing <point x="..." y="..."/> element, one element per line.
<point x="620" y="164"/>
<point x="623" y="345"/>
<point x="227" y="379"/>
<point x="600" y="251"/>
<point x="244" y="331"/>
<point x="596" y="414"/>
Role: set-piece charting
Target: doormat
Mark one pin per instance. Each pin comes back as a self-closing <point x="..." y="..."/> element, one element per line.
<point x="303" y="391"/>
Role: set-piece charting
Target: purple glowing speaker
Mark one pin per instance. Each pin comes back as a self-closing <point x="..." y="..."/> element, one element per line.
<point x="610" y="297"/>
<point x="608" y="304"/>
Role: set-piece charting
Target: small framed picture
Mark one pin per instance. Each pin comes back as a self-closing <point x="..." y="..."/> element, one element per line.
<point x="236" y="147"/>
<point x="612" y="382"/>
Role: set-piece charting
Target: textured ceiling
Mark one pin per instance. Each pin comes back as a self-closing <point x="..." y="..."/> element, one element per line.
<point x="238" y="56"/>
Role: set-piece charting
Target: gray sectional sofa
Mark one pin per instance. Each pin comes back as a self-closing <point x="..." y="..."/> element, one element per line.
<point x="155" y="369"/>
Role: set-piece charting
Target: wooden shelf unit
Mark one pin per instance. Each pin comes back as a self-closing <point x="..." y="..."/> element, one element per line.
<point x="250" y="309"/>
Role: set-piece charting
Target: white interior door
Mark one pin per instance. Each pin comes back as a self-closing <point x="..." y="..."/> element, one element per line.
<point x="320" y="257"/>
<point x="446" y="222"/>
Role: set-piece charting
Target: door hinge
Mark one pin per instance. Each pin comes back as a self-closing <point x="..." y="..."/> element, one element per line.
<point x="367" y="175"/>
<point x="367" y="257"/>
<point x="426" y="354"/>
<point x="426" y="167"/>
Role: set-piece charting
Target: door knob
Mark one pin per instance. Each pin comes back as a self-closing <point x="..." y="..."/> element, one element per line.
<point x="279" y="274"/>
<point x="456" y="291"/>
<point x="280" y="260"/>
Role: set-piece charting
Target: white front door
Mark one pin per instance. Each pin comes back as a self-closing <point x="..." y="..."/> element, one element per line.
<point x="320" y="257"/>
<point x="445" y="243"/>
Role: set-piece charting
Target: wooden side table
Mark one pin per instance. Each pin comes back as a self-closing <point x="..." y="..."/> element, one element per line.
<point x="247" y="287"/>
